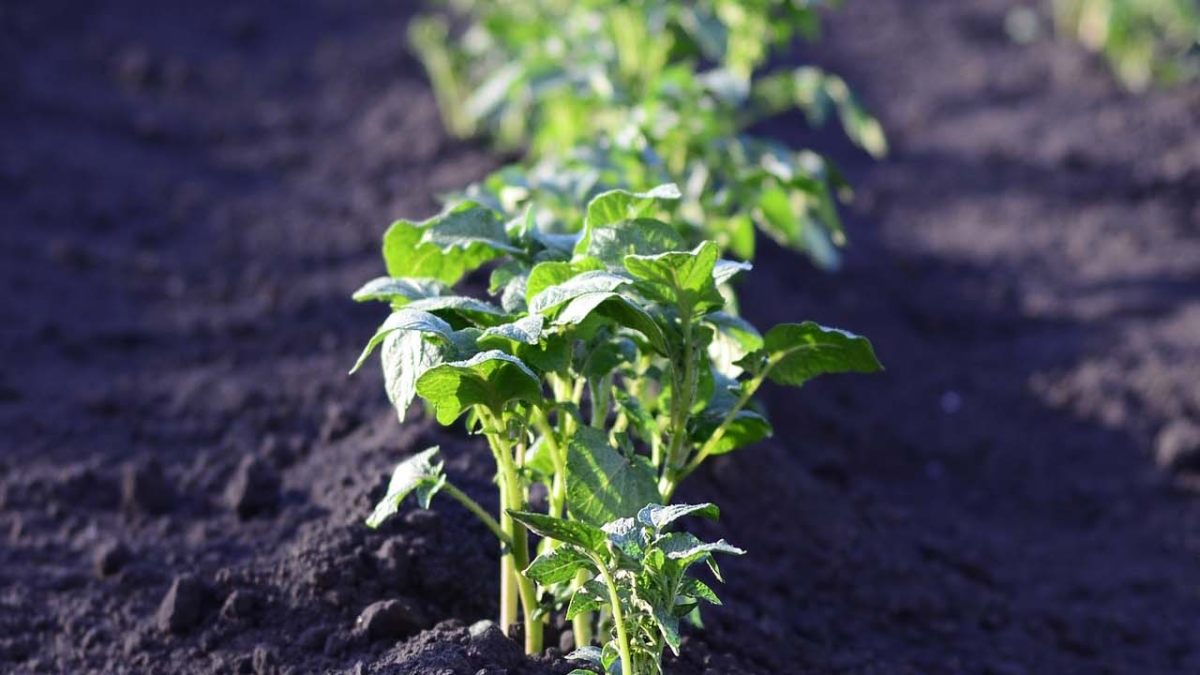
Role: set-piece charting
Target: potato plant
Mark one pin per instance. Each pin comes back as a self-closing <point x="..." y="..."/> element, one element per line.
<point x="625" y="86"/>
<point x="605" y="367"/>
<point x="639" y="576"/>
<point x="1145" y="41"/>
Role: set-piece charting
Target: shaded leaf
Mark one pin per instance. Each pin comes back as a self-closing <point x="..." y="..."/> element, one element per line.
<point x="558" y="566"/>
<point x="602" y="485"/>
<point x="695" y="588"/>
<point x="623" y="310"/>
<point x="591" y="596"/>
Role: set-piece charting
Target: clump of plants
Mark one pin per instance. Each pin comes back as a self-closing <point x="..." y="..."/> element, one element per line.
<point x="603" y="368"/>
<point x="1145" y="41"/>
<point x="628" y="95"/>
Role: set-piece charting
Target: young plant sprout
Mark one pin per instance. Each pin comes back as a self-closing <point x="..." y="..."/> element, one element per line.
<point x="606" y="366"/>
<point x="639" y="575"/>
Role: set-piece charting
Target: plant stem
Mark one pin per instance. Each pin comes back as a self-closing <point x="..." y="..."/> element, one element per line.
<point x="513" y="498"/>
<point x="618" y="619"/>
<point x="581" y="625"/>
<point x="601" y="394"/>
<point x="748" y="391"/>
<point x="479" y="513"/>
<point x="683" y="391"/>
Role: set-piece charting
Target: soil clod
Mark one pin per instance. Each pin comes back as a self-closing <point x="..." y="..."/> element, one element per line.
<point x="254" y="489"/>
<point x="391" y="619"/>
<point x="146" y="489"/>
<point x="111" y="555"/>
<point x="184" y="605"/>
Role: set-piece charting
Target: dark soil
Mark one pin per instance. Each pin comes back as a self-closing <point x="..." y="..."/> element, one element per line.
<point x="190" y="191"/>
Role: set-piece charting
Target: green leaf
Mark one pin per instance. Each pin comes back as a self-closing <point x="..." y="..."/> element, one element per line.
<point x="574" y="287"/>
<point x="684" y="278"/>
<point x="800" y="352"/>
<point x="591" y="596"/>
<point x="659" y="517"/>
<point x="617" y="205"/>
<point x="695" y="588"/>
<point x="399" y="292"/>
<point x="490" y="379"/>
<point x="476" y="311"/>
<point x="724" y="270"/>
<point x="733" y="340"/>
<point x="588" y="537"/>
<point x="589" y="653"/>
<point x="558" y="566"/>
<point x="602" y="485"/>
<point x="552" y="273"/>
<point x="611" y="243"/>
<point x="668" y="625"/>
<point x="627" y="536"/>
<point x="748" y="426"/>
<point x="447" y="246"/>
<point x="415" y="473"/>
<point x="623" y="310"/>
<point x="641" y="421"/>
<point x="406" y="320"/>
<point x="686" y="549"/>
<point x="405" y="358"/>
<point x="526" y="331"/>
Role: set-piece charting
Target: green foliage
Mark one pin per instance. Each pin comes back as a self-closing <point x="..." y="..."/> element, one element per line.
<point x="616" y="367"/>
<point x="1145" y="41"/>
<point x="628" y="95"/>
<point x="642" y="576"/>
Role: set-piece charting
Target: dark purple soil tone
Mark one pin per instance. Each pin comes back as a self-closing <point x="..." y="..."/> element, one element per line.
<point x="190" y="193"/>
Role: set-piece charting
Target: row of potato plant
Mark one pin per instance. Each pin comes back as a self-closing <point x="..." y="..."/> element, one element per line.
<point x="603" y="368"/>
<point x="627" y="95"/>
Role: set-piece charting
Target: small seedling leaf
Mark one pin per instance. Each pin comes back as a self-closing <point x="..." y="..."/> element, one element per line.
<point x="659" y="517"/>
<point x="415" y="473"/>
<point x="591" y="596"/>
